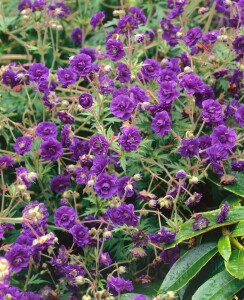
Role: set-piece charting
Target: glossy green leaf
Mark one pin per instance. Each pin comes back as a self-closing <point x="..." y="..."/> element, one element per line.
<point x="221" y="286"/>
<point x="237" y="187"/>
<point x="186" y="232"/>
<point x="235" y="265"/>
<point x="131" y="296"/>
<point x="224" y="247"/>
<point x="238" y="229"/>
<point x="187" y="266"/>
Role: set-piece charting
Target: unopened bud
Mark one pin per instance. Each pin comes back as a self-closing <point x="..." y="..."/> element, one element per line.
<point x="117" y="13"/>
<point x="107" y="68"/>
<point x="139" y="38"/>
<point x="21" y="187"/>
<point x="188" y="70"/>
<point x="86" y="297"/>
<point x="137" y="177"/>
<point x="152" y="203"/>
<point x="122" y="270"/>
<point x="179" y="34"/>
<point x="202" y="10"/>
<point x="91" y="182"/>
<point x="80" y="280"/>
<point x="59" y="27"/>
<point x="107" y="235"/>
<point x="193" y="180"/>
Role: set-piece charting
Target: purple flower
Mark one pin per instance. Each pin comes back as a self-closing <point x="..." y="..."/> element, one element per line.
<point x="81" y="64"/>
<point x="24" y="4"/>
<point x="139" y="297"/>
<point x="138" y="95"/>
<point x="51" y="149"/>
<point x="126" y="187"/>
<point x="212" y="111"/>
<point x="36" y="213"/>
<point x="76" y="35"/>
<point x="38" y="5"/>
<point x="89" y="51"/>
<point x="119" y="285"/>
<point x="31" y="296"/>
<point x="122" y="107"/>
<point x="6" y="162"/>
<point x="166" y="236"/>
<point x="25" y="177"/>
<point x="106" y="185"/>
<point x="169" y="32"/>
<point x="194" y="199"/>
<point x="65" y="117"/>
<point x="189" y="147"/>
<point x="82" y="175"/>
<point x="99" y="164"/>
<point x="59" y="183"/>
<point x="65" y="217"/>
<point x="150" y="69"/>
<point x="123" y="215"/>
<point x="85" y="100"/>
<point x="18" y="257"/>
<point x="161" y="123"/>
<point x="67" y="136"/>
<point x="181" y="174"/>
<point x="5" y="273"/>
<point x="96" y="19"/>
<point x="239" y="115"/>
<point x="98" y="144"/>
<point x="200" y="223"/>
<point x="72" y="271"/>
<point x="13" y="293"/>
<point x="10" y="78"/>
<point x="217" y="153"/>
<point x="127" y="24"/>
<point x="105" y="259"/>
<point x="124" y="74"/>
<point x="138" y="14"/>
<point x="237" y="165"/>
<point x="192" y="36"/>
<point x="46" y="130"/>
<point x="60" y="10"/>
<point x="66" y="76"/>
<point x="224" y="136"/>
<point x="23" y="145"/>
<point x="139" y="238"/>
<point x="169" y="256"/>
<point x="223" y="214"/>
<point x="231" y="108"/>
<point x="37" y="72"/>
<point x="115" y="49"/>
<point x="167" y="92"/>
<point x="238" y="44"/>
<point x="210" y="37"/>
<point x="78" y="148"/>
<point x="191" y="83"/>
<point x="130" y="138"/>
<point x="166" y="75"/>
<point x="206" y="93"/>
<point x="80" y="235"/>
<point x="106" y="85"/>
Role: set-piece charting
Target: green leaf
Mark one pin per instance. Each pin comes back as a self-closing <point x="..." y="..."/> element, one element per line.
<point x="187" y="267"/>
<point x="235" y="265"/>
<point x="238" y="230"/>
<point x="186" y="232"/>
<point x="219" y="287"/>
<point x="131" y="296"/>
<point x="224" y="247"/>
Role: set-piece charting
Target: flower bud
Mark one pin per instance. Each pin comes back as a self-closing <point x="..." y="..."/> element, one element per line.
<point x="202" y="10"/>
<point x="152" y="203"/>
<point x="66" y="194"/>
<point x="80" y="280"/>
<point x="59" y="27"/>
<point x="107" y="68"/>
<point x="107" y="235"/>
<point x="139" y="38"/>
<point x="193" y="180"/>
<point x="122" y="270"/>
<point x="188" y="70"/>
<point x="21" y="187"/>
<point x="86" y="297"/>
<point x="91" y="182"/>
<point x="179" y="34"/>
<point x="32" y="176"/>
<point x="165" y="203"/>
<point x="137" y="177"/>
<point x="222" y="38"/>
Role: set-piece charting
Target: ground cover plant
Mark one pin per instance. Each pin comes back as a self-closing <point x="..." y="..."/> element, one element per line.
<point x="121" y="150"/>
